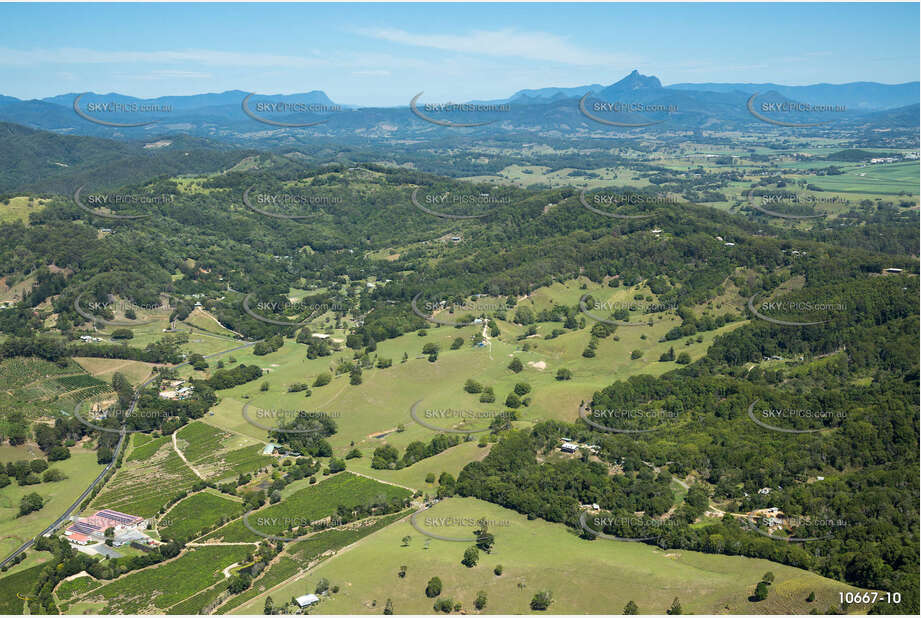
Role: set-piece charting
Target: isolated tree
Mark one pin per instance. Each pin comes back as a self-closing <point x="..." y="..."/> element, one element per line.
<point x="472" y="386"/>
<point x="630" y="609"/>
<point x="484" y="539"/>
<point x="29" y="503"/>
<point x="471" y="557"/>
<point x="516" y="365"/>
<point x="433" y="588"/>
<point x="761" y="591"/>
<point x="542" y="600"/>
<point x="675" y="609"/>
<point x="388" y="608"/>
<point x="480" y="601"/>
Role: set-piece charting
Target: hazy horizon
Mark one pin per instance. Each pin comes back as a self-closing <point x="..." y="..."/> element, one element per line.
<point x="372" y="55"/>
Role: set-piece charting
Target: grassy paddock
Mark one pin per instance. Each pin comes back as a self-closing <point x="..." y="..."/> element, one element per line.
<point x="536" y="556"/>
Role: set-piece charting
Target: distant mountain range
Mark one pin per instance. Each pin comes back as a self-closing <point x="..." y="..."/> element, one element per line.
<point x="636" y="101"/>
<point x="195" y="101"/>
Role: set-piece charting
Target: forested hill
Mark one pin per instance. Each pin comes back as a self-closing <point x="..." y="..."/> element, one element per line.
<point x="40" y="161"/>
<point x="521" y="240"/>
<point x="847" y="470"/>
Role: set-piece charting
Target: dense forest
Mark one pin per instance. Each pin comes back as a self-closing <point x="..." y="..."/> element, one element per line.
<point x="864" y="449"/>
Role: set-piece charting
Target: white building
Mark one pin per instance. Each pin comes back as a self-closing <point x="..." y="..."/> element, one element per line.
<point x="307" y="600"/>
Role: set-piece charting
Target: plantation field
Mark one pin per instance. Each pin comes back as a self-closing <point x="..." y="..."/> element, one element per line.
<point x="14" y="584"/>
<point x="536" y="555"/>
<point x="150" y="475"/>
<point x="196" y="604"/>
<point x="76" y="587"/>
<point x="80" y="470"/>
<point x="187" y="518"/>
<point x="274" y="574"/>
<point x="144" y="447"/>
<point x="301" y="555"/>
<point x="309" y="504"/>
<point x="218" y="454"/>
<point x="34" y="387"/>
<point x="167" y="584"/>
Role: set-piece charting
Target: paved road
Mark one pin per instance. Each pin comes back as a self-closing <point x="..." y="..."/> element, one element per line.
<point x="66" y="515"/>
<point x="121" y="441"/>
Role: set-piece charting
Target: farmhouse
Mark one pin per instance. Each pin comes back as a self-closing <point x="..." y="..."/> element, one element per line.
<point x="182" y="393"/>
<point x="569" y="446"/>
<point x="307" y="600"/>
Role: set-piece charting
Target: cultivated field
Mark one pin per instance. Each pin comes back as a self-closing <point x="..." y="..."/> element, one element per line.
<point x="190" y="516"/>
<point x="157" y="588"/>
<point x="217" y="454"/>
<point x="151" y="474"/>
<point x="312" y="503"/>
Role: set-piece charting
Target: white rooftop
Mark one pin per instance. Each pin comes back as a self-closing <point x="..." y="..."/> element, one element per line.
<point x="307" y="599"/>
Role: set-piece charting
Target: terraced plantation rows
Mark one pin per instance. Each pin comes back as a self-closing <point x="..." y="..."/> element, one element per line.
<point x="312" y="503"/>
<point x="35" y="387"/>
<point x="164" y="585"/>
<point x="218" y="454"/>
<point x="199" y="512"/>
<point x="150" y="475"/>
<point x="303" y="554"/>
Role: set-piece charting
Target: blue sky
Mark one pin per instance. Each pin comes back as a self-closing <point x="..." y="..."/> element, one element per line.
<point x="383" y="54"/>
